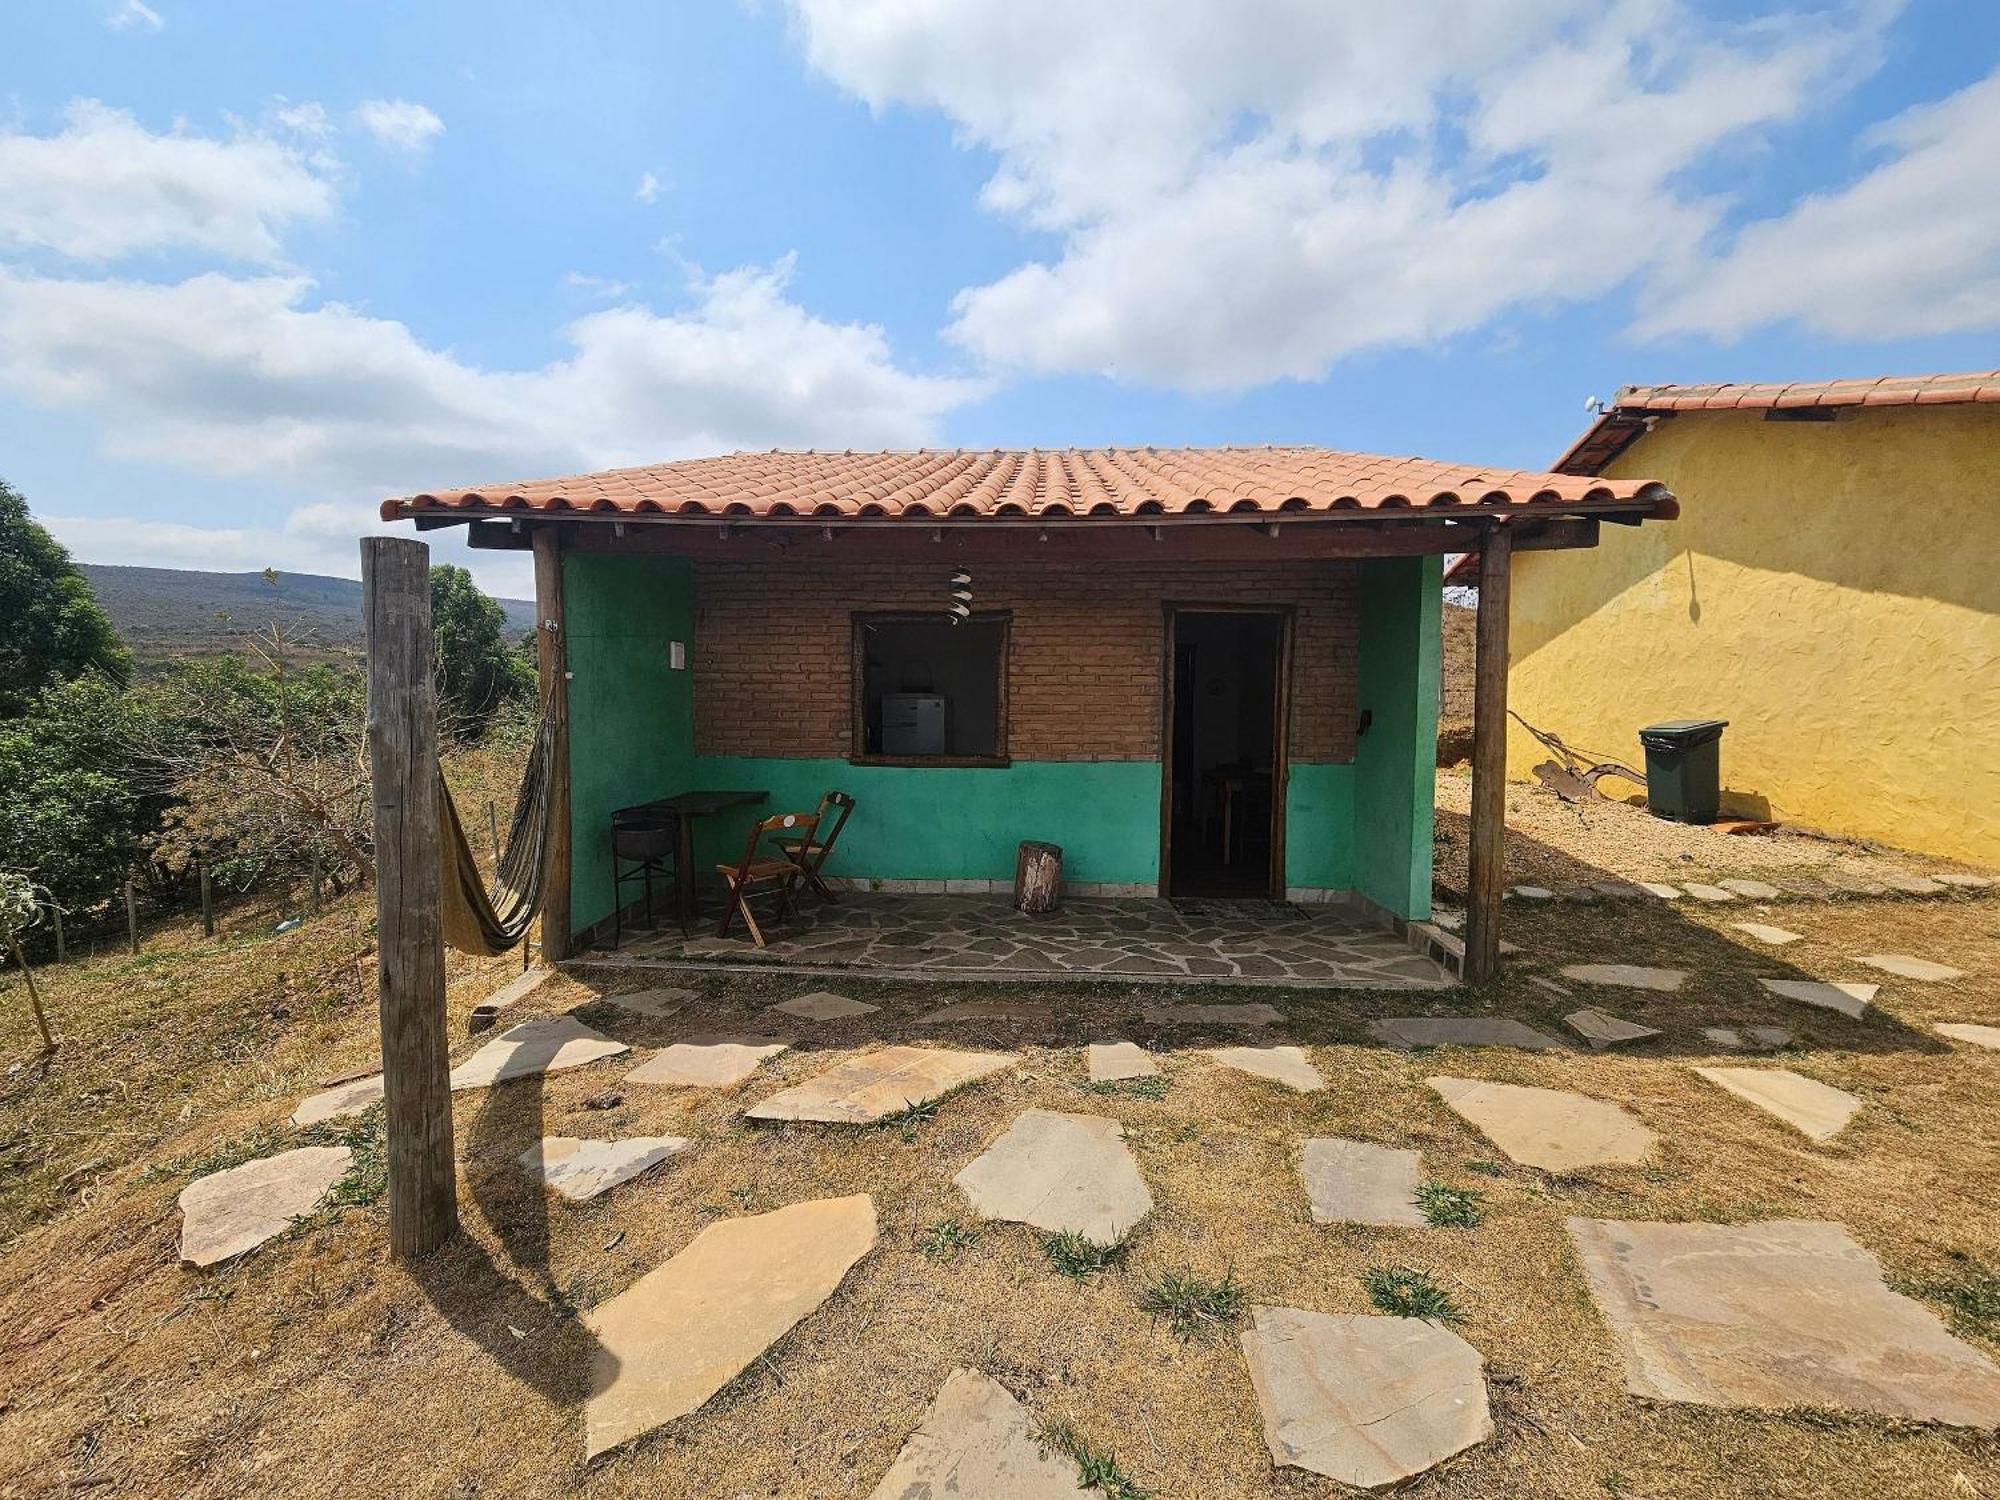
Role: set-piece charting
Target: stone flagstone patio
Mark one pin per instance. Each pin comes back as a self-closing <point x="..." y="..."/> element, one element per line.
<point x="1263" y="941"/>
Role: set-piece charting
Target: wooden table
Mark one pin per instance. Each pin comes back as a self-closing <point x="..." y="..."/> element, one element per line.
<point x="684" y="808"/>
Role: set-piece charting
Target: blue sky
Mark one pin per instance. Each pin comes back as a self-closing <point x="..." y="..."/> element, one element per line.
<point x="262" y="265"/>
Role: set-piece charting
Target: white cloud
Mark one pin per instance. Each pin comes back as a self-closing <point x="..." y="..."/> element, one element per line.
<point x="1246" y="190"/>
<point x="104" y="187"/>
<point x="649" y="188"/>
<point x="400" y="125"/>
<point x="134" y="15"/>
<point x="1910" y="248"/>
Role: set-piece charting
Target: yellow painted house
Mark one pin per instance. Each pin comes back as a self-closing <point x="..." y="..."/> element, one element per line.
<point x="1832" y="589"/>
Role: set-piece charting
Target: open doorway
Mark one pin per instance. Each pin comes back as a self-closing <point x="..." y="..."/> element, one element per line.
<point x="1224" y="784"/>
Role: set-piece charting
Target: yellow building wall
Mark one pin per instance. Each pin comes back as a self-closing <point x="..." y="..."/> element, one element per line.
<point x="1831" y="589"/>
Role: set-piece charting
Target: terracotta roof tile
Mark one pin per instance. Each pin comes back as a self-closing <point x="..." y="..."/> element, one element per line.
<point x="1029" y="483"/>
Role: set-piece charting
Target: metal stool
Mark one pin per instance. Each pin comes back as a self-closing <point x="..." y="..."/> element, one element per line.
<point x="642" y="846"/>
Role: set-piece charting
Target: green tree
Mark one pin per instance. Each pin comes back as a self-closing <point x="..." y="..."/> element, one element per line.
<point x="476" y="670"/>
<point x="55" y="631"/>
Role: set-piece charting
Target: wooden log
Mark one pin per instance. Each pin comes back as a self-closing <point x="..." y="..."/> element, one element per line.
<point x="207" y="898"/>
<point x="552" y="663"/>
<point x="1038" y="878"/>
<point x="409" y="963"/>
<point x="1487" y="862"/>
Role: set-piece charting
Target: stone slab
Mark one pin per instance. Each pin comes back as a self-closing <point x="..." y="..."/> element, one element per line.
<point x="1754" y="1038"/>
<point x="824" y="1005"/>
<point x="510" y="994"/>
<point x="1548" y="1128"/>
<point x="1905" y="967"/>
<point x="228" y="1213"/>
<point x="1756" y="890"/>
<point x="342" y="1101"/>
<point x="1912" y="885"/>
<point x="549" y="1044"/>
<point x="1602" y="1029"/>
<point x="1060" y="1172"/>
<point x="1785" y="1313"/>
<point x="1661" y="889"/>
<point x="1848" y="998"/>
<point x="1711" y="893"/>
<point x="1965" y="882"/>
<point x="655" y="1003"/>
<point x="1408" y="1033"/>
<point x="581" y="1169"/>
<point x="1805" y="1104"/>
<point x="1287" y="1065"/>
<point x="977" y="1443"/>
<point x="865" y="1089"/>
<point x="1533" y="892"/>
<point x="1777" y="937"/>
<point x="682" y="1332"/>
<point x="1257" y="1014"/>
<point x="991" y="1010"/>
<point x="1368" y="1401"/>
<point x="1354" y="1182"/>
<point x="708" y="1062"/>
<point x="1978" y="1036"/>
<point x="1627" y="976"/>
<point x="1114" y="1062"/>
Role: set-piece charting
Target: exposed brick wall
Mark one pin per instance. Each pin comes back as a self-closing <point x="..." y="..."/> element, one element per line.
<point x="773" y="651"/>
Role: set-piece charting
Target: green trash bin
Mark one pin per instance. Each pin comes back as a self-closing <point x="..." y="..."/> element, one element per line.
<point x="1684" y="769"/>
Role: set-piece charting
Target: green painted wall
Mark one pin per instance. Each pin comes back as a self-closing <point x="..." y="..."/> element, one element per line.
<point x="631" y="717"/>
<point x="1394" y="764"/>
<point x="1319" y="826"/>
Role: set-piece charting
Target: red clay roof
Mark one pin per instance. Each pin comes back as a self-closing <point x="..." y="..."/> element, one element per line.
<point x="1024" y="483"/>
<point x="1623" y="421"/>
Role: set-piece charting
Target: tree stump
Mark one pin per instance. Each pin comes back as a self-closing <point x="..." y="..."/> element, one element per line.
<point x="1038" y="878"/>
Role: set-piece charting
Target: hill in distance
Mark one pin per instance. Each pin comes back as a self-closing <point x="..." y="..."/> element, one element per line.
<point x="183" y="612"/>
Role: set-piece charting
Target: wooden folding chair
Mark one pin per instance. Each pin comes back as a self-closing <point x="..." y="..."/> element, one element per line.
<point x="760" y="874"/>
<point x="810" y="854"/>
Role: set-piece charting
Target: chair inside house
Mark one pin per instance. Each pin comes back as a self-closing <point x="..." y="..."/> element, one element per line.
<point x="765" y="872"/>
<point x="811" y="855"/>
<point x="643" y="845"/>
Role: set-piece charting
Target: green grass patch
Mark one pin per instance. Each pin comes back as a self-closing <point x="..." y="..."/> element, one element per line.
<point x="264" y="1140"/>
<point x="912" y="1117"/>
<point x="1449" y="1207"/>
<point x="1154" y="1086"/>
<point x="1971" y="1298"/>
<point x="1078" y="1256"/>
<point x="1097" y="1468"/>
<point x="944" y="1239"/>
<point x="1193" y="1306"/>
<point x="1404" y="1292"/>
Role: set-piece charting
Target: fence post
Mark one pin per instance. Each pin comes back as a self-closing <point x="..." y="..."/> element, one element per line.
<point x="131" y="916"/>
<point x="55" y="915"/>
<point x="409" y="964"/>
<point x="207" y="899"/>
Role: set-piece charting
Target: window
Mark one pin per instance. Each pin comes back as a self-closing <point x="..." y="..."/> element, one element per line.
<point x="928" y="692"/>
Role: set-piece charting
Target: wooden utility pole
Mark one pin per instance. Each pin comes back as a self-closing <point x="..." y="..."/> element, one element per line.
<point x="1486" y="874"/>
<point x="409" y="963"/>
<point x="552" y="661"/>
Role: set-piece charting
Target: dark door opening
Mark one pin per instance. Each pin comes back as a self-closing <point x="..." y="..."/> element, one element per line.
<point x="1225" y="754"/>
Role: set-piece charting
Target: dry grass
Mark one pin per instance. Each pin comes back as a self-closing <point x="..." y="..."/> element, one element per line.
<point x="316" y="1367"/>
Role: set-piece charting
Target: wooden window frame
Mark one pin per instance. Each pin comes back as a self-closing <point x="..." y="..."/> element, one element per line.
<point x="858" y="621"/>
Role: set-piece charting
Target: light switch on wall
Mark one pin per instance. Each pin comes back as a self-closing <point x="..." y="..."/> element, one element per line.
<point x="677" y="655"/>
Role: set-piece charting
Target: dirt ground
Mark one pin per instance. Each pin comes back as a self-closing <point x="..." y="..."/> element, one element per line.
<point x="314" y="1366"/>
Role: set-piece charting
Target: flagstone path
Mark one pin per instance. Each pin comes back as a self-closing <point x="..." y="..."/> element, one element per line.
<point x="1627" y="976"/>
<point x="549" y="1044"/>
<point x="227" y="1213"/>
<point x="1286" y="1065"/>
<point x="1777" y="937"/>
<point x="877" y="1084"/>
<point x="581" y="1169"/>
<point x="1749" y="1038"/>
<point x="1905" y="967"/>
<point x="1037" y="1011"/>
<point x="682" y="1332"/>
<point x="1114" y="1062"/>
<point x="342" y="1101"/>
<point x="1756" y="890"/>
<point x="1060" y="1172"/>
<point x="823" y="1005"/>
<point x="1786" y="1313"/>
<point x="708" y="1062"/>
<point x="659" y="1004"/>
<point x="1408" y="1033"/>
<point x="1548" y="1128"/>
<point x="1258" y="1014"/>
<point x="1845" y="996"/>
<point x="1978" y="1036"/>
<point x="1807" y="1105"/>
<point x="1354" y="1182"/>
<point x="1368" y="1401"/>
<point x="977" y="1443"/>
<point x="1602" y="1029"/>
<point x="504" y="999"/>
<point x="1710" y="893"/>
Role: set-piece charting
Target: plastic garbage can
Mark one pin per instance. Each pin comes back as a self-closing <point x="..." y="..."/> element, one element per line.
<point x="1684" y="769"/>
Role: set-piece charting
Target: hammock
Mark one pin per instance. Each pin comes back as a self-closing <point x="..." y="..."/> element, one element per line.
<point x="474" y="921"/>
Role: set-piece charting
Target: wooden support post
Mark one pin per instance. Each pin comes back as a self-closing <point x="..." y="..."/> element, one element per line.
<point x="55" y="915"/>
<point x="493" y="832"/>
<point x="207" y="898"/>
<point x="409" y="963"/>
<point x="1488" y="858"/>
<point x="552" y="661"/>
<point x="131" y="916"/>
